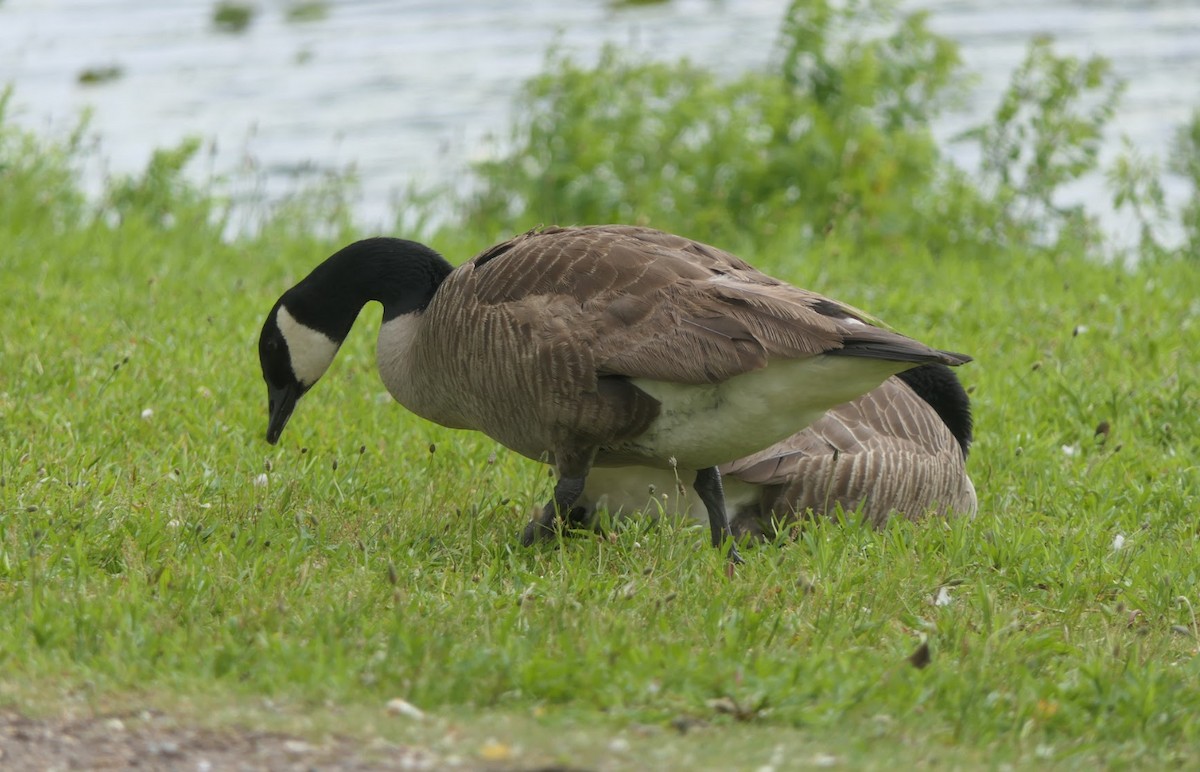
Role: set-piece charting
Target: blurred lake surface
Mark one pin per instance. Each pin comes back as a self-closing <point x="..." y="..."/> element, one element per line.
<point x="409" y="91"/>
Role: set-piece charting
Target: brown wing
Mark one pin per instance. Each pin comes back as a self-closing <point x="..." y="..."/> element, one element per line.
<point x="885" y="452"/>
<point x="653" y="305"/>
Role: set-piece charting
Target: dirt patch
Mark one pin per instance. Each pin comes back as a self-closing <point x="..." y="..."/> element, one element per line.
<point x="153" y="741"/>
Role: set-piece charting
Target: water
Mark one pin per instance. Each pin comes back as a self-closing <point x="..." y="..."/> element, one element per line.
<point x="407" y="92"/>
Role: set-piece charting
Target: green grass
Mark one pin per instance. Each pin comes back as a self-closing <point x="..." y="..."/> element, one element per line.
<point x="154" y="550"/>
<point x="139" y="555"/>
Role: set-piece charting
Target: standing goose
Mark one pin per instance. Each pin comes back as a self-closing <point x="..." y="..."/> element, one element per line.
<point x="899" y="449"/>
<point x="604" y="345"/>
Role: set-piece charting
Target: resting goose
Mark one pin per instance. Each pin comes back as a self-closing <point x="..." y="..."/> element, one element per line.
<point x="900" y="449"/>
<point x="590" y="346"/>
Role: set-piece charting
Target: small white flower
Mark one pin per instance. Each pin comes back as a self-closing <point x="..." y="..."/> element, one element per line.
<point x="147" y="414"/>
<point x="1118" y="542"/>
<point x="943" y="597"/>
<point x="261" y="480"/>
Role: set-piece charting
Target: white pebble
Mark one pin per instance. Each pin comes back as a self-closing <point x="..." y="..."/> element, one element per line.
<point x="618" y="745"/>
<point x="399" y="707"/>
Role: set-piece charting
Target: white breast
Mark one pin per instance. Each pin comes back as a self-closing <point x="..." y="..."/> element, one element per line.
<point x="407" y="379"/>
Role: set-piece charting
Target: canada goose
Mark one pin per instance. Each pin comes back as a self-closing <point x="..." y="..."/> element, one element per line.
<point x="899" y="449"/>
<point x="604" y="345"/>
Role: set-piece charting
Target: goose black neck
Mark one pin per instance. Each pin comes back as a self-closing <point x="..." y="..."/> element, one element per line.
<point x="942" y="391"/>
<point x="401" y="275"/>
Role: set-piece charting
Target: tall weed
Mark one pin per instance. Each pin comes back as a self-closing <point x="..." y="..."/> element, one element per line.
<point x="828" y="149"/>
<point x="834" y="141"/>
<point x="1185" y="162"/>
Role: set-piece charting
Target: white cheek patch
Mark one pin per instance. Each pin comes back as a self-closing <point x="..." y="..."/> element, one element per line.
<point x="311" y="351"/>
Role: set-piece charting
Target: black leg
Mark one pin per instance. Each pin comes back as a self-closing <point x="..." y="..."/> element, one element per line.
<point x="708" y="487"/>
<point x="582" y="518"/>
<point x="566" y="492"/>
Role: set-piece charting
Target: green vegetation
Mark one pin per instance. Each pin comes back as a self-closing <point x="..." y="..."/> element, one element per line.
<point x="837" y="135"/>
<point x="1185" y="161"/>
<point x="231" y="16"/>
<point x="306" y="10"/>
<point x="92" y="76"/>
<point x="155" y="551"/>
<point x="636" y="3"/>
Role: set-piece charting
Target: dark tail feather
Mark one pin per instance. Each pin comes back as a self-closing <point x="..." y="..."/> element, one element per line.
<point x="939" y="386"/>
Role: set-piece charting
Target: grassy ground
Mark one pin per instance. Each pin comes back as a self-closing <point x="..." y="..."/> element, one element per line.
<point x="155" y="551"/>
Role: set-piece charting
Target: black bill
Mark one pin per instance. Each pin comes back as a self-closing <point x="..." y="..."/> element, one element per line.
<point x="280" y="404"/>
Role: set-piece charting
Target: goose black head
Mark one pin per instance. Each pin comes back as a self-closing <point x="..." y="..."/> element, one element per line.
<point x="293" y="356"/>
<point x="307" y="325"/>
